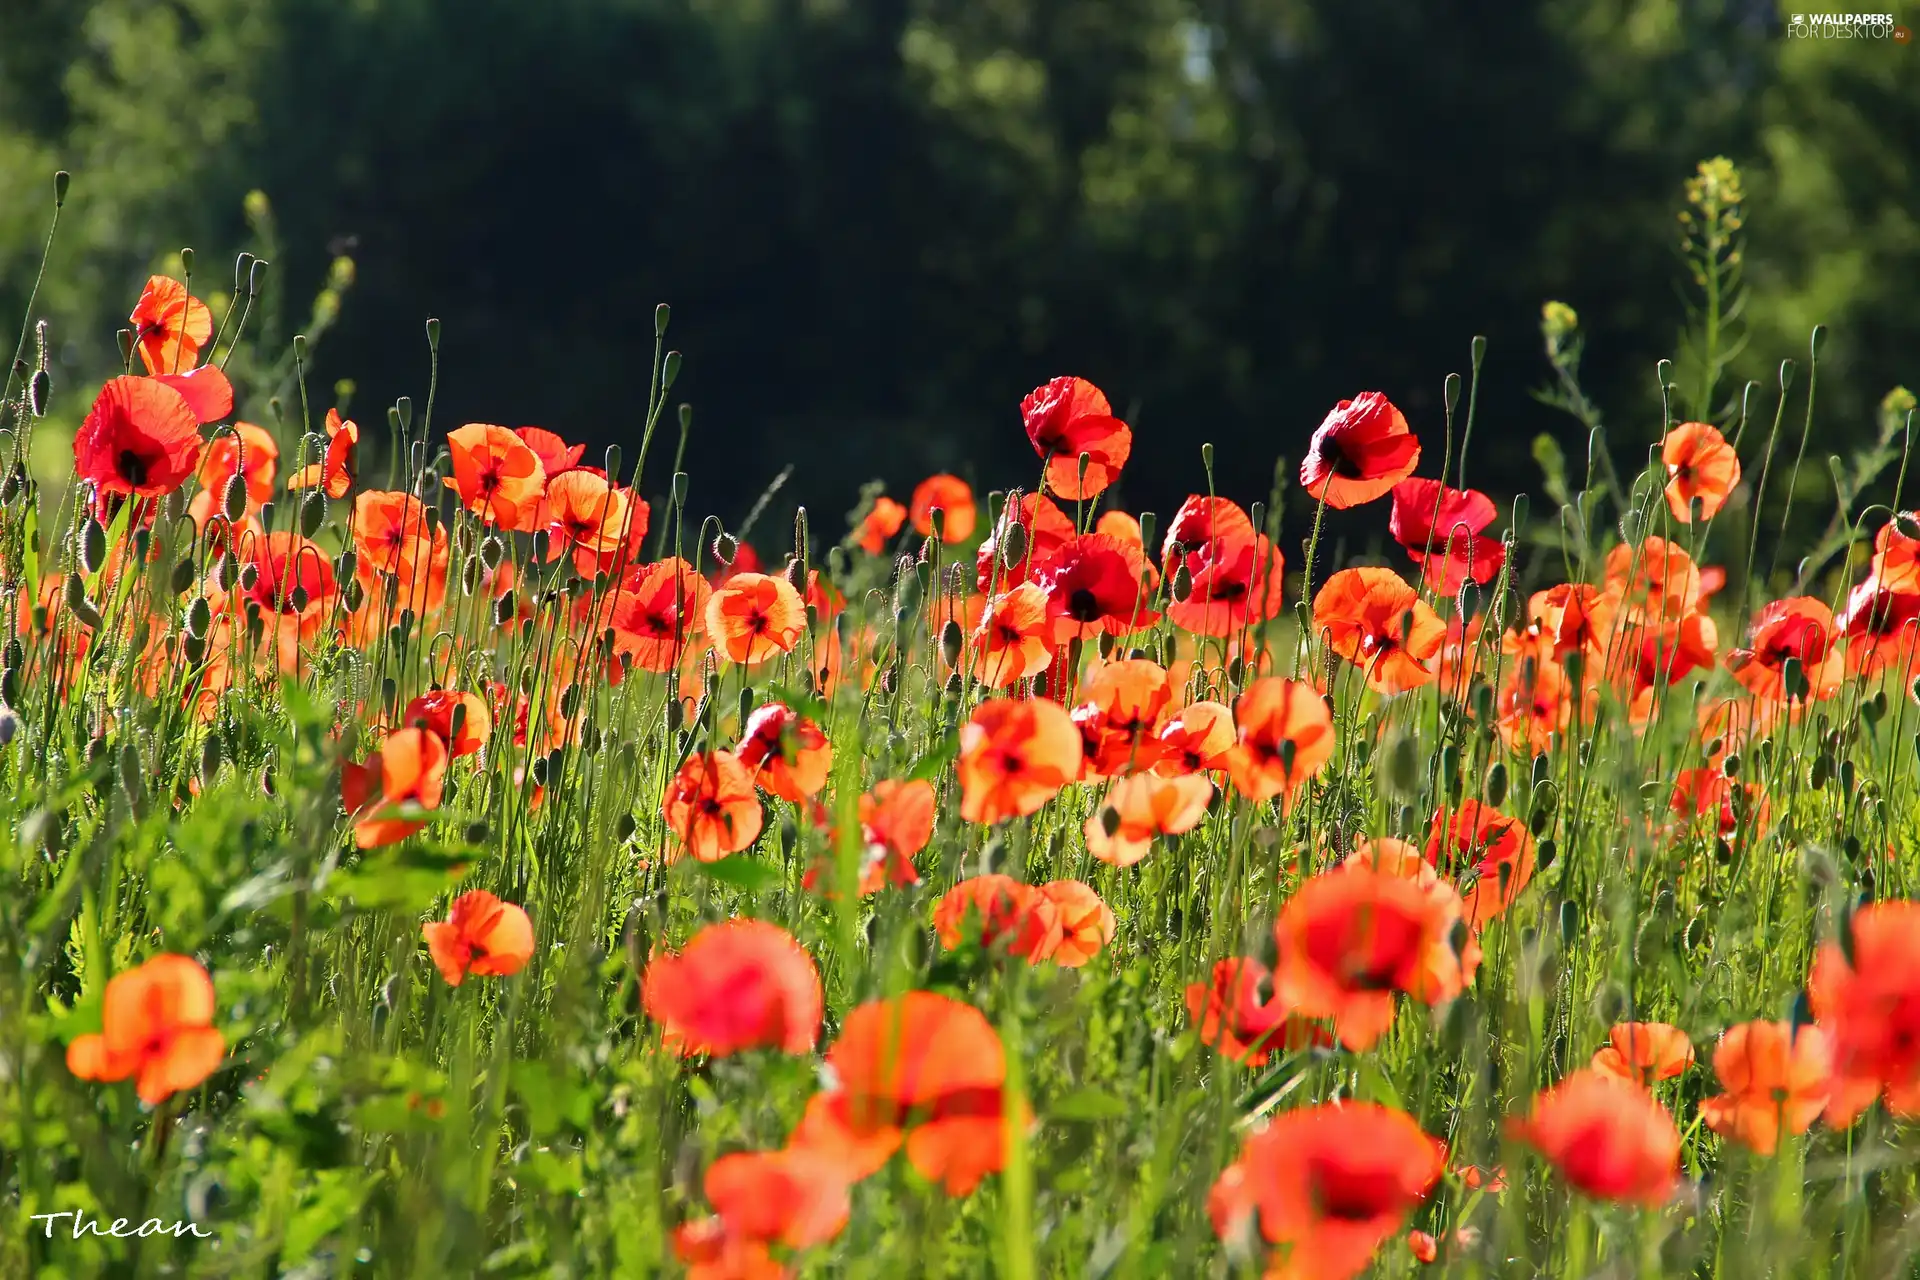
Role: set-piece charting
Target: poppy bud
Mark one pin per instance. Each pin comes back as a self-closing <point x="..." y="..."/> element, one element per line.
<point x="125" y="338"/>
<point x="209" y="757"/>
<point x="193" y="648"/>
<point x="242" y="267"/>
<point x="1547" y="851"/>
<point x="256" y="276"/>
<point x="1206" y="456"/>
<point x="796" y="574"/>
<point x="669" y="370"/>
<point x="1821" y="771"/>
<point x="131" y="774"/>
<point x="10" y="488"/>
<point x="1013" y="547"/>
<point x="661" y="314"/>
<point x="1495" y="790"/>
<point x="624" y="828"/>
<point x="503" y="610"/>
<point x="39" y="387"/>
<point x="61" y="181"/>
<point x="198" y="618"/>
<point x="78" y="604"/>
<point x="433" y="333"/>
<point x="686" y="418"/>
<point x="1182" y="585"/>
<point x="93" y="546"/>
<point x="725" y="548"/>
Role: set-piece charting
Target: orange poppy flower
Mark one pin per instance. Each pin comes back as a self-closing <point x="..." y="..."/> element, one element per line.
<point x="1573" y="617"/>
<point x="923" y="1068"/>
<point x="1377" y="622"/>
<point x="587" y="518"/>
<point x="1536" y="701"/>
<point x="1239" y="1024"/>
<point x="391" y="533"/>
<point x="208" y="393"/>
<point x="482" y="936"/>
<point x="1700" y="792"/>
<point x="461" y="720"/>
<point x="657" y="611"/>
<point x="1141" y="806"/>
<point x="170" y="326"/>
<point x="1644" y="1052"/>
<point x="1026" y="919"/>
<point x="1896" y="554"/>
<point x="1422" y="1246"/>
<point x="711" y="1252"/>
<point x="140" y="439"/>
<point x="1463" y="658"/>
<point x="247" y="449"/>
<point x="1015" y="637"/>
<point x="1496" y="851"/>
<point x="1119" y="704"/>
<point x="1327" y="1185"/>
<point x="1441" y="529"/>
<point x="410" y="770"/>
<point x="1086" y="923"/>
<point x="795" y="1197"/>
<point x="1774" y="1078"/>
<point x="1044" y="529"/>
<point x="1664" y="655"/>
<point x="156" y="1026"/>
<point x="335" y="472"/>
<point x="1867" y="999"/>
<point x="1067" y="419"/>
<point x="496" y="475"/>
<point x="1701" y="466"/>
<point x="1014" y="757"/>
<point x="710" y="806"/>
<point x="1194" y="739"/>
<point x="881" y="525"/>
<point x="1882" y="631"/>
<point x="1800" y="628"/>
<point x="788" y="753"/>
<point x="1286" y="737"/>
<point x="1655" y="580"/>
<point x="1349" y="939"/>
<point x="736" y="985"/>
<point x="1232" y="590"/>
<point x="1608" y="1137"/>
<point x="896" y="821"/>
<point x="1362" y="449"/>
<point x="1118" y="524"/>
<point x="755" y="617"/>
<point x="950" y="494"/>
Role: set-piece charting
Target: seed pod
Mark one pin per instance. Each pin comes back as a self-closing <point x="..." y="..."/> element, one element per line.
<point x="132" y="774"/>
<point x="93" y="546"/>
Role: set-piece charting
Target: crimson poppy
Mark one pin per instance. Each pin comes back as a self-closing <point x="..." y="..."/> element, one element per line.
<point x="1237" y="1014"/>
<point x="334" y="473"/>
<point x="556" y="456"/>
<point x="461" y="720"/>
<point x="1609" y="1137"/>
<point x="1495" y="852"/>
<point x="789" y="754"/>
<point x="1361" y="450"/>
<point x="1866" y="996"/>
<point x="1441" y="529"/>
<point x="1044" y="529"/>
<point x="1067" y="419"/>
<point x="1094" y="584"/>
<point x="1798" y="630"/>
<point x="1881" y="629"/>
<point x="657" y="612"/>
<point x="139" y="439"/>
<point x="736" y="985"/>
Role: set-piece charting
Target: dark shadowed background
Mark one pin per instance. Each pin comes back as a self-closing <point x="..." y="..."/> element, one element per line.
<point x="880" y="222"/>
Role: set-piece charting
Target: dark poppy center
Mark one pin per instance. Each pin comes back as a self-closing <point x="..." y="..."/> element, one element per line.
<point x="1083" y="605"/>
<point x="132" y="467"/>
<point x="1337" y="460"/>
<point x="1347" y="1194"/>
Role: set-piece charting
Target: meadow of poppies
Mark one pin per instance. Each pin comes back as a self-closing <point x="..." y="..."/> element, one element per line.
<point x="435" y="851"/>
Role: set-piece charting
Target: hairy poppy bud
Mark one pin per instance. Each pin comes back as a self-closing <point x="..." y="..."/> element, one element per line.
<point x="233" y="499"/>
<point x="725" y="548"/>
<point x="951" y="640"/>
<point x="93" y="546"/>
<point x="1182" y="585"/>
<point x="612" y="459"/>
<point x="503" y="610"/>
<point x="1013" y="547"/>
<point x="198" y="618"/>
<point x="796" y="574"/>
<point x="1495" y="789"/>
<point x="182" y="576"/>
<point x="78" y="604"/>
<point x="313" y="511"/>
<point x="39" y="387"/>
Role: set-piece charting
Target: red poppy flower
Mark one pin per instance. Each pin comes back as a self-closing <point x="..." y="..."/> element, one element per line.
<point x="1702" y="792"/>
<point x="922" y="1068"/>
<point x="1422" y="1246"/>
<point x="590" y="519"/>
<point x="1230" y="587"/>
<point x="1656" y="580"/>
<point x="950" y="494"/>
<point x="1328" y="1184"/>
<point x="1608" y="1137"/>
<point x="896" y="821"/>
<point x="391" y="534"/>
<point x="657" y="612"/>
<point x="1441" y="529"/>
<point x="461" y="720"/>
<point x="1486" y="846"/>
<point x="1800" y="629"/>
<point x="1095" y="584"/>
<point x="1664" y="655"/>
<point x="1644" y="1052"/>
<point x="482" y="936"/>
<point x="334" y="473"/>
<point x="736" y="985"/>
<point x="755" y="617"/>
<point x="1086" y="924"/>
<point x="1536" y="701"/>
<point x="408" y="772"/>
<point x="1569" y="618"/>
<point x="1014" y="757"/>
<point x="1701" y="466"/>
<point x="1867" y="998"/>
<point x="1007" y="911"/>
<point x="1882" y="630"/>
<point x="496" y="475"/>
<point x="789" y="753"/>
<point x="1241" y="1023"/>
<point x="156" y="1026"/>
<point x="881" y="524"/>
<point x="1118" y="524"/>
<point x="1775" y="1078"/>
<point x="1362" y="449"/>
<point x="289" y="579"/>
<point x="794" y="1197"/>
<point x="1118" y="705"/>
<point x="556" y="456"/>
<point x="1349" y="939"/>
<point x="1377" y="622"/>
<point x="1069" y="418"/>
<point x="1044" y="529"/>
<point x="1286" y="737"/>
<point x="1140" y="807"/>
<point x="139" y="439"/>
<point x="170" y="326"/>
<point x="246" y="449"/>
<point x="1015" y="637"/>
<point x="711" y="807"/>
